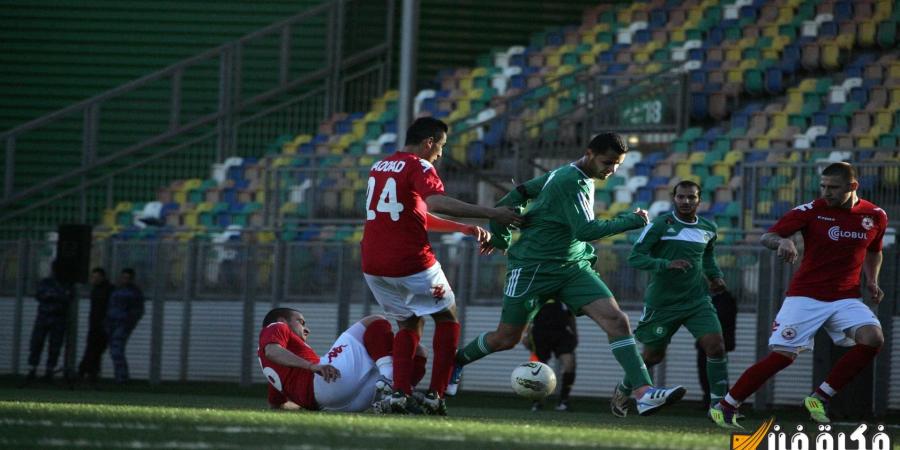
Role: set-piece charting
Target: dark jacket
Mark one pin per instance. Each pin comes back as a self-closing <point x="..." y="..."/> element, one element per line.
<point x="126" y="302"/>
<point x="54" y="297"/>
<point x="100" y="294"/>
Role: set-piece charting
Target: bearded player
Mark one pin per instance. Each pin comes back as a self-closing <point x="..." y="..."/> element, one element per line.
<point x="842" y="236"/>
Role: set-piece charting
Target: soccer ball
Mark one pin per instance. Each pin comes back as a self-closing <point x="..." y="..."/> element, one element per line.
<point x="533" y="380"/>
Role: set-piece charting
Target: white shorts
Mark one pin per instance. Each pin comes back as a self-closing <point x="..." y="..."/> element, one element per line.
<point x="354" y="391"/>
<point x="413" y="295"/>
<point x="800" y="318"/>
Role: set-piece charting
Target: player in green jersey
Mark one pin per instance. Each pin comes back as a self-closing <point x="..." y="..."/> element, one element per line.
<point x="678" y="249"/>
<point x="553" y="259"/>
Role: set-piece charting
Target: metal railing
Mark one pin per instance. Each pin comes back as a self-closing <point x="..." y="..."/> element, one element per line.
<point x="184" y="282"/>
<point x="263" y="93"/>
<point x="770" y="189"/>
<point x="584" y="105"/>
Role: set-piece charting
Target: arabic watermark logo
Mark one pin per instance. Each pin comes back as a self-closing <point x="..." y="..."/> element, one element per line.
<point x="824" y="439"/>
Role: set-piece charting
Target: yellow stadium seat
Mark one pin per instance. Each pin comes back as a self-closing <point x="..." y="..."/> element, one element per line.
<point x="865" y="142"/>
<point x="683" y="169"/>
<point x="733" y="54"/>
<point x="735" y="76"/>
<point x="807" y="85"/>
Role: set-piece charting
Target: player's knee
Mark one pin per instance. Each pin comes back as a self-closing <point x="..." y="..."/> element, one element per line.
<point x="714" y="348"/>
<point x="653" y="357"/>
<point x="870" y="335"/>
<point x="620" y="323"/>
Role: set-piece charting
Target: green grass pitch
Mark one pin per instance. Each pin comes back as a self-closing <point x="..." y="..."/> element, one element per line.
<point x="220" y="416"/>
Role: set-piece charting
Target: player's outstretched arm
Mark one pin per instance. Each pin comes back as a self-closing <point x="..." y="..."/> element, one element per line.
<point x="442" y="204"/>
<point x="592" y="229"/>
<point x="285" y="357"/>
<point x="441" y="225"/>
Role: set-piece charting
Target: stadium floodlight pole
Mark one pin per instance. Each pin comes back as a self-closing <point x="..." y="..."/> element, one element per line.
<point x="409" y="36"/>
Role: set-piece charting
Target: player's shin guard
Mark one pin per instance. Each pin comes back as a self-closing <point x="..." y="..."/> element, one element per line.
<point x="446" y="338"/>
<point x="405" y="343"/>
<point x="418" y="370"/>
<point x="755" y="376"/>
<point x="625" y="351"/>
<point x="473" y="351"/>
<point x="717" y="374"/>
<point x="853" y="362"/>
<point x="379" y="342"/>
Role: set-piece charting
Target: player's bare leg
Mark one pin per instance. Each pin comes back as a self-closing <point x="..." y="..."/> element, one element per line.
<point x="606" y="313"/>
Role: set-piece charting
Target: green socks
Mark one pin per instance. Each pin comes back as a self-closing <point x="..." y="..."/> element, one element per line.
<point x="474" y="350"/>
<point x="626" y="353"/>
<point x="717" y="374"/>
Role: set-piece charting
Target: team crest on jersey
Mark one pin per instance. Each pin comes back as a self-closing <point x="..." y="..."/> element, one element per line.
<point x="335" y="352"/>
<point x="660" y="331"/>
<point x="788" y="333"/>
<point x="867" y="223"/>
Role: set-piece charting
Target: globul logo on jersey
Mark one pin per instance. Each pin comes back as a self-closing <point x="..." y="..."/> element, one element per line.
<point x="826" y="439"/>
<point x="835" y="233"/>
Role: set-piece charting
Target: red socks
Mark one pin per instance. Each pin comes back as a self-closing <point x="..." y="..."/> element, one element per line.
<point x="405" y="344"/>
<point x="446" y="339"/>
<point x="756" y="375"/>
<point x="418" y="370"/>
<point x="378" y="339"/>
<point x="851" y="364"/>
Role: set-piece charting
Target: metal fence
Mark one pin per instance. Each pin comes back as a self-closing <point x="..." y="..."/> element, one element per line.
<point x="263" y="93"/>
<point x="771" y="189"/>
<point x="559" y="117"/>
<point x="205" y="302"/>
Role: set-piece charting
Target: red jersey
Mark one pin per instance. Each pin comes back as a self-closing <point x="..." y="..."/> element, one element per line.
<point x="395" y="241"/>
<point x="835" y="243"/>
<point x="289" y="383"/>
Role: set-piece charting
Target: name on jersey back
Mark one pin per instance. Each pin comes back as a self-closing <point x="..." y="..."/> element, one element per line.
<point x="389" y="166"/>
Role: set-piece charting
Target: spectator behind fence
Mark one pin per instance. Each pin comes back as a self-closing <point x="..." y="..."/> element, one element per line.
<point x="54" y="297"/>
<point x="726" y="310"/>
<point x="126" y="307"/>
<point x="101" y="289"/>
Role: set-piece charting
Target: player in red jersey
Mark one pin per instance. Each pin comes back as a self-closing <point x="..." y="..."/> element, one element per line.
<point x="398" y="261"/>
<point x="842" y="236"/>
<point x="355" y="369"/>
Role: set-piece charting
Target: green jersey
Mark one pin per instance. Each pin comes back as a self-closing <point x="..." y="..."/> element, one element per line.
<point x="668" y="238"/>
<point x="559" y="219"/>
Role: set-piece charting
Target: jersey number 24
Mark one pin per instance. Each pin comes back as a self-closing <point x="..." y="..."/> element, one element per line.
<point x="387" y="200"/>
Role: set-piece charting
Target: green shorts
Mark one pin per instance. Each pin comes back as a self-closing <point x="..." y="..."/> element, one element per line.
<point x="656" y="326"/>
<point x="575" y="284"/>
